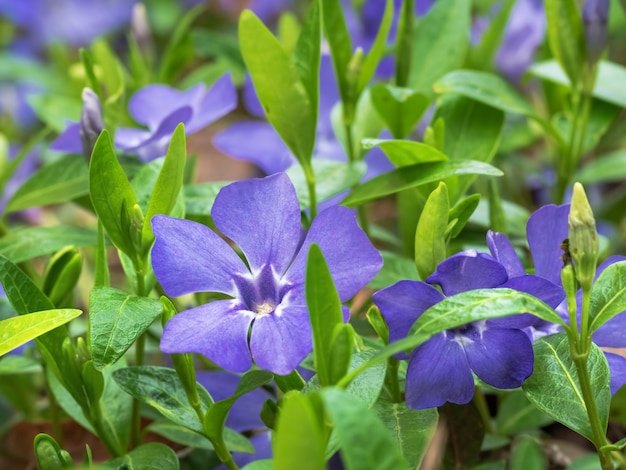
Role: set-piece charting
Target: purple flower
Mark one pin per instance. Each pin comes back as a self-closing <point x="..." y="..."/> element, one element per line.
<point x="595" y="17"/>
<point x="266" y="319"/>
<point x="161" y="108"/>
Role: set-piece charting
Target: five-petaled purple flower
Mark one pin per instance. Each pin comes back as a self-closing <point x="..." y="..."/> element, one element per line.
<point x="161" y="108"/>
<point x="266" y="319"/>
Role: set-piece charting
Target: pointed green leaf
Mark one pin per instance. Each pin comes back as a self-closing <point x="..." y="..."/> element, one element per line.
<point x="399" y="108"/>
<point x="111" y="194"/>
<point x="608" y="295"/>
<point x="440" y="43"/>
<point x="61" y="181"/>
<point x="415" y="175"/>
<point x="406" y="152"/>
<point x="116" y="320"/>
<point x="160" y="388"/>
<point x="27" y="243"/>
<point x="299" y="433"/>
<point x="430" y="241"/>
<point x="277" y="81"/>
<point x="461" y="213"/>
<point x="412" y="429"/>
<point x="325" y="310"/>
<point x="566" y="36"/>
<point x="306" y="55"/>
<point x="340" y="352"/>
<point x="605" y="169"/>
<point x="168" y="184"/>
<point x="482" y="56"/>
<point x="554" y="387"/>
<point x="516" y="414"/>
<point x="235" y="442"/>
<point x="199" y="198"/>
<point x="151" y="456"/>
<point x="354" y="425"/>
<point x="19" y="330"/>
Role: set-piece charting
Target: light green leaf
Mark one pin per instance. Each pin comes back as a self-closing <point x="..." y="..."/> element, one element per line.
<point x="55" y="109"/>
<point x="116" y="320"/>
<point x="482" y="56"/>
<point x="459" y="215"/>
<point x="415" y="175"/>
<point x="111" y="194"/>
<point x="325" y="311"/>
<point x="58" y="182"/>
<point x="399" y="108"/>
<point x="412" y="429"/>
<point x="554" y="387"/>
<point x="607" y="168"/>
<point x="353" y="426"/>
<point x="516" y="414"/>
<point x="199" y="198"/>
<point x="19" y="330"/>
<point x="440" y="43"/>
<point x="430" y="235"/>
<point x="566" y="36"/>
<point x="161" y="388"/>
<point x="151" y="456"/>
<point x="608" y="295"/>
<point x="279" y="87"/>
<point x="306" y="55"/>
<point x="235" y="442"/>
<point x="27" y="243"/>
<point x="168" y="184"/>
<point x="406" y="152"/>
<point x="395" y="268"/>
<point x="527" y="452"/>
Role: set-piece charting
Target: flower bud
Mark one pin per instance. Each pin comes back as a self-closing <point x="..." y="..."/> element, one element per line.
<point x="595" y="16"/>
<point x="140" y="29"/>
<point x="91" y="121"/>
<point x="61" y="274"/>
<point x="583" y="237"/>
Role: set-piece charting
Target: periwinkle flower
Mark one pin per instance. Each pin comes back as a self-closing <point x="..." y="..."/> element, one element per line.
<point x="595" y="15"/>
<point x="266" y="319"/>
<point x="91" y="122"/>
<point x="161" y="108"/>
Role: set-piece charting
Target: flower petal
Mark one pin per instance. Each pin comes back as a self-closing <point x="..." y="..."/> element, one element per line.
<point x="281" y="340"/>
<point x="251" y="100"/>
<point x="502" y="358"/>
<point x="216" y="102"/>
<point x="545" y="290"/>
<point x="438" y="372"/>
<point x="503" y="251"/>
<point x="617" y="364"/>
<point x="402" y="303"/>
<point x="255" y="142"/>
<point x="467" y="271"/>
<point x="218" y="330"/>
<point x="189" y="257"/>
<point x="263" y="217"/>
<point x="153" y="103"/>
<point x="352" y="259"/>
<point x="69" y="140"/>
<point x="546" y="230"/>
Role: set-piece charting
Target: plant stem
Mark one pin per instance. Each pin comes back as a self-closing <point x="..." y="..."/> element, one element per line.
<point x="310" y="182"/>
<point x="391" y="380"/>
<point x="481" y="405"/>
<point x="135" y="435"/>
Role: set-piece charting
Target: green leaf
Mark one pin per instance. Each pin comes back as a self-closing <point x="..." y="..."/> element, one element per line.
<point x="151" y="456"/>
<point x="199" y="198"/>
<point x="440" y="43"/>
<point x="19" y="330"/>
<point x="415" y="175"/>
<point x="399" y="108"/>
<point x="299" y="433"/>
<point x="161" y="388"/>
<point x="404" y="42"/>
<point x="306" y="55"/>
<point x="331" y="178"/>
<point x="49" y="454"/>
<point x="111" y="194"/>
<point x="60" y="181"/>
<point x="325" y="311"/>
<point x="482" y="56"/>
<point x="406" y="152"/>
<point x="413" y="429"/>
<point x="566" y="36"/>
<point x="168" y="184"/>
<point x="608" y="80"/>
<point x="102" y="275"/>
<point x="265" y="464"/>
<point x="461" y="213"/>
<point x="605" y="169"/>
<point x="340" y="352"/>
<point x="368" y="68"/>
<point x="364" y="440"/>
<point x="18" y="365"/>
<point x="116" y="320"/>
<point x="55" y="109"/>
<point x="279" y="87"/>
<point x="235" y="442"/>
<point x="516" y="414"/>
<point x="430" y="241"/>
<point x="395" y="268"/>
<point x="554" y="387"/>
<point x="27" y="243"/>
<point x="608" y="295"/>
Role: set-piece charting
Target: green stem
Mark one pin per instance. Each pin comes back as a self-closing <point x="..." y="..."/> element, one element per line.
<point x="135" y="434"/>
<point x="391" y="379"/>
<point x="310" y="182"/>
<point x="55" y="416"/>
<point x="481" y="405"/>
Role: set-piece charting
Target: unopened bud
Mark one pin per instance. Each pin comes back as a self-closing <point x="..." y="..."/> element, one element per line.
<point x="140" y="29"/>
<point x="595" y="16"/>
<point x="583" y="237"/>
<point x="91" y="122"/>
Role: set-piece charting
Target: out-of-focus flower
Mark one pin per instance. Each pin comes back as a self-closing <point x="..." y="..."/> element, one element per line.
<point x="595" y="16"/>
<point x="266" y="320"/>
<point x="161" y="108"/>
<point x="91" y="122"/>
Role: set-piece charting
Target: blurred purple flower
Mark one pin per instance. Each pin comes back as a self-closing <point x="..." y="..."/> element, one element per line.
<point x="266" y="320"/>
<point x="24" y="171"/>
<point x="77" y="22"/>
<point x="595" y="17"/>
<point x="256" y="141"/>
<point x="245" y="414"/>
<point x="161" y="108"/>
